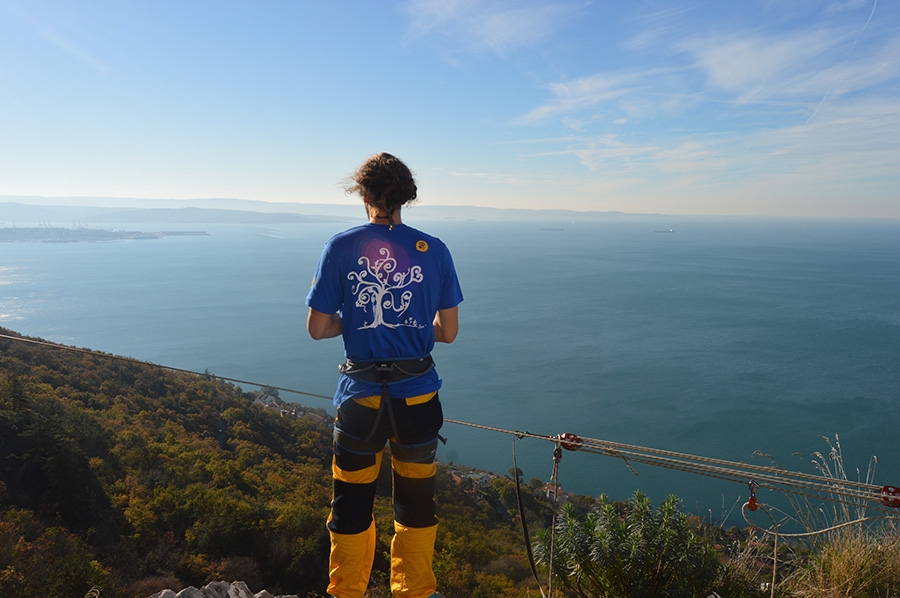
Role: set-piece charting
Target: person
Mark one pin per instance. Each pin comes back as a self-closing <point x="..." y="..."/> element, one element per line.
<point x="390" y="291"/>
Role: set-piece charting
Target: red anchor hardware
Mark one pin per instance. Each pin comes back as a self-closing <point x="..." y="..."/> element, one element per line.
<point x="751" y="502"/>
<point x="890" y="496"/>
<point x="569" y="442"/>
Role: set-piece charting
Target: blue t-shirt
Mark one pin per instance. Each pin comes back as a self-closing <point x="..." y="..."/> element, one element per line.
<point x="387" y="285"/>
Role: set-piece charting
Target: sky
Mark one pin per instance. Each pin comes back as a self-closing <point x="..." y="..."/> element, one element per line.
<point x="757" y="107"/>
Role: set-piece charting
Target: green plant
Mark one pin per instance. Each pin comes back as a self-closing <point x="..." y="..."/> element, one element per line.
<point x="628" y="550"/>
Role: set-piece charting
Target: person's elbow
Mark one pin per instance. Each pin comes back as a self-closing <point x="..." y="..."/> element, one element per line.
<point x="448" y="337"/>
<point x="320" y="325"/>
<point x="314" y="334"/>
<point x="446" y="325"/>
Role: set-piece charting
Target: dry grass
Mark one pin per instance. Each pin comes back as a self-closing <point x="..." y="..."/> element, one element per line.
<point x="854" y="560"/>
<point x="852" y="563"/>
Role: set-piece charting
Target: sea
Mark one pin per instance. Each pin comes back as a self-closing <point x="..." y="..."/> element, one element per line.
<point x="712" y="336"/>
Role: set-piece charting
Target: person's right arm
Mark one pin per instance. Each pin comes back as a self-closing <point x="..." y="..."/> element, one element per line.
<point x="320" y="325"/>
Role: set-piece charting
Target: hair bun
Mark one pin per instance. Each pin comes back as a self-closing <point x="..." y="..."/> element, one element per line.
<point x="386" y="181"/>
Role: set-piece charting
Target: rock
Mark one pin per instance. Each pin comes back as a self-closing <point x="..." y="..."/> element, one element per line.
<point x="218" y="589"/>
<point x="221" y="589"/>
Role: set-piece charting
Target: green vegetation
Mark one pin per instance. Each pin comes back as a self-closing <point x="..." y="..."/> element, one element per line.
<point x="132" y="478"/>
<point x="631" y="551"/>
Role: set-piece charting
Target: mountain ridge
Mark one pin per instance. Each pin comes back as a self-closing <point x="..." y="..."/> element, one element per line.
<point x="16" y="209"/>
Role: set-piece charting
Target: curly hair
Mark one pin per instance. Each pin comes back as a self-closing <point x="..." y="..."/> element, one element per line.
<point x="385" y="182"/>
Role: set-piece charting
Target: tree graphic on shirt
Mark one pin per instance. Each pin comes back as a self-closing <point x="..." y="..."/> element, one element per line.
<point x="379" y="284"/>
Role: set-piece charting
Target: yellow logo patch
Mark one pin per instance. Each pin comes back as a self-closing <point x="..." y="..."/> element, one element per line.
<point x="422" y="246"/>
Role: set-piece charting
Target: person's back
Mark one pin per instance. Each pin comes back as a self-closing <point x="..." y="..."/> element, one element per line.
<point x="391" y="292"/>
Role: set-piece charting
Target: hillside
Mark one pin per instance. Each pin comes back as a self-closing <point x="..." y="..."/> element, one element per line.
<point x="126" y="478"/>
<point x="133" y="478"/>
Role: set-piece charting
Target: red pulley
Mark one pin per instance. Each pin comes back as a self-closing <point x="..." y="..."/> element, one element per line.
<point x="569" y="442"/>
<point x="751" y="504"/>
<point x="890" y="496"/>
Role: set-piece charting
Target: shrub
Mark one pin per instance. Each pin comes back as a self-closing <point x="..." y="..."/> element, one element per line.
<point x="629" y="550"/>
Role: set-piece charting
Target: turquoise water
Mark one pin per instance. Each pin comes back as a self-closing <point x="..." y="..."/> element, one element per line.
<point x="724" y="337"/>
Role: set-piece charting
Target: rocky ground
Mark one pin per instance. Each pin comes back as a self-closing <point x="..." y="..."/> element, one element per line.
<point x="218" y="589"/>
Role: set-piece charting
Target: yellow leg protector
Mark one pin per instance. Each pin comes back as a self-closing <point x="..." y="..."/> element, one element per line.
<point x="412" y="550"/>
<point x="350" y="563"/>
<point x="416" y="471"/>
<point x="361" y="476"/>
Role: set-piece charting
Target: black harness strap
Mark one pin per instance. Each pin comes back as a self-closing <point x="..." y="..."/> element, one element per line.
<point x="385" y="372"/>
<point x="385" y="403"/>
<point x="380" y="372"/>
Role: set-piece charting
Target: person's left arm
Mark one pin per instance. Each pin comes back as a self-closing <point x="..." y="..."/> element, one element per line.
<point x="446" y="325"/>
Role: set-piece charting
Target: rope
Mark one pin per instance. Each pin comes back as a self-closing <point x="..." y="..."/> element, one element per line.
<point x="528" y="550"/>
<point x="557" y="456"/>
<point x="157" y="365"/>
<point x="774" y="478"/>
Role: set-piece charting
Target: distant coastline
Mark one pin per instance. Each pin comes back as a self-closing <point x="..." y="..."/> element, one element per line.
<point x="81" y="235"/>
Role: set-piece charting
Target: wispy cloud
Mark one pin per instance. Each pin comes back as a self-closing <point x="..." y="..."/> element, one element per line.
<point x="853" y="140"/>
<point x="658" y="27"/>
<point x="496" y="26"/>
<point x="74" y="51"/>
<point x="598" y="152"/>
<point x="730" y="69"/>
<point x="840" y="6"/>
<point x="755" y="67"/>
<point x="586" y="92"/>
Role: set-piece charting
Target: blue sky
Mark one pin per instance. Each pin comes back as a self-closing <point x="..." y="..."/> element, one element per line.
<point x="787" y="108"/>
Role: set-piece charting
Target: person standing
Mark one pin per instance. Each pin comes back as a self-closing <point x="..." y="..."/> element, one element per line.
<point x="390" y="291"/>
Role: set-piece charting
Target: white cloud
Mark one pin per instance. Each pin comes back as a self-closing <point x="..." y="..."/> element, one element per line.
<point x="865" y="132"/>
<point x="74" y="51"/>
<point x="839" y="6"/>
<point x="755" y="66"/>
<point x="571" y="96"/>
<point x="658" y="28"/>
<point x="497" y="26"/>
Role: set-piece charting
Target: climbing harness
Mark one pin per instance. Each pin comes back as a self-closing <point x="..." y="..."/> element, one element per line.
<point x="385" y="373"/>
